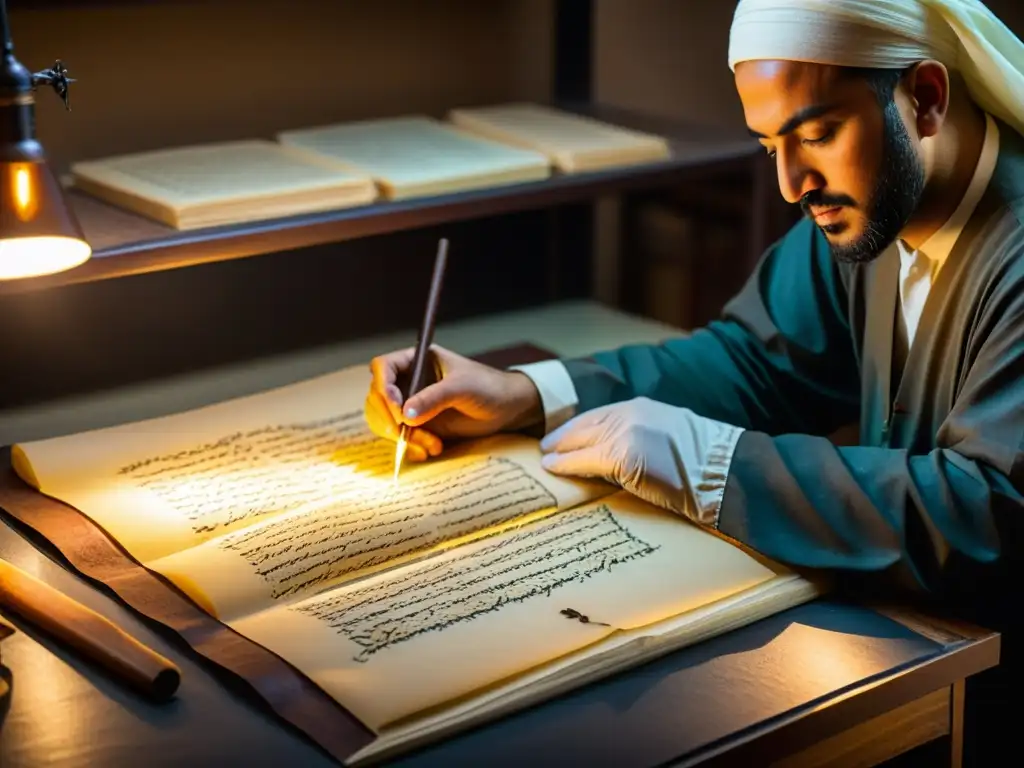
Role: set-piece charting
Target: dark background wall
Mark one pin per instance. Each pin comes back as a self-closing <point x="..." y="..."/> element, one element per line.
<point x="153" y="74"/>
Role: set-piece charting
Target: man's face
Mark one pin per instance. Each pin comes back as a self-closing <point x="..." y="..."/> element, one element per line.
<point x="849" y="163"/>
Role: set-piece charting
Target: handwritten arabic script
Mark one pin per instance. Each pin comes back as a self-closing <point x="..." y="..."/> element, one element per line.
<point x="368" y="526"/>
<point x="265" y="471"/>
<point x="530" y="564"/>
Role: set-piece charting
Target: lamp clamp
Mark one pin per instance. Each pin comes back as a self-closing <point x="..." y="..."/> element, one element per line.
<point x="57" y="78"/>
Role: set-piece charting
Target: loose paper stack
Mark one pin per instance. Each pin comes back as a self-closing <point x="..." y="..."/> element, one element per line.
<point x="415" y="156"/>
<point x="336" y="166"/>
<point x="571" y="142"/>
<point x="223" y="183"/>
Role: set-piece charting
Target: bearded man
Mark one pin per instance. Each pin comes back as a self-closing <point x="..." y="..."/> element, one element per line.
<point x="898" y="302"/>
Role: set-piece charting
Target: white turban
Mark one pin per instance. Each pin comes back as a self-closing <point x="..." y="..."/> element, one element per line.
<point x="963" y="35"/>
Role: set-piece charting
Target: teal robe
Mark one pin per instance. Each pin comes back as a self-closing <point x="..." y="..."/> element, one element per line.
<point x="933" y="497"/>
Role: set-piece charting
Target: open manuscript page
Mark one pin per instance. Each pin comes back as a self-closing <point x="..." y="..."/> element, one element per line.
<point x="402" y="641"/>
<point x="371" y="524"/>
<point x="269" y="497"/>
<point x="477" y="582"/>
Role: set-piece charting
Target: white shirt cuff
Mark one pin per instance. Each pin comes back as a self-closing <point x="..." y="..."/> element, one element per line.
<point x="710" y="476"/>
<point x="557" y="392"/>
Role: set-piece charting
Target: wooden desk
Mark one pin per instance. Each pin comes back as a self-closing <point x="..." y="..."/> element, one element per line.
<point x="824" y="684"/>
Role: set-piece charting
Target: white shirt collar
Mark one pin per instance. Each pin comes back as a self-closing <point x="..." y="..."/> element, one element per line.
<point x="938" y="247"/>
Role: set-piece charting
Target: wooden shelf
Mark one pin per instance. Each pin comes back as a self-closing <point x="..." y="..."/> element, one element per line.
<point x="126" y="244"/>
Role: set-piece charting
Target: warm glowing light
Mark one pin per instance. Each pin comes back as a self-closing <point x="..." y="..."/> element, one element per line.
<point x="829" y="659"/>
<point x="33" y="256"/>
<point x="25" y="202"/>
<point x="399" y="456"/>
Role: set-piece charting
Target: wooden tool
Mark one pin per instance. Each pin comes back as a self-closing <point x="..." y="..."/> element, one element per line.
<point x="87" y="633"/>
<point x="417" y="380"/>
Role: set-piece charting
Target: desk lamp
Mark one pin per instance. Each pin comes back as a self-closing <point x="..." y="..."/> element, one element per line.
<point x="39" y="234"/>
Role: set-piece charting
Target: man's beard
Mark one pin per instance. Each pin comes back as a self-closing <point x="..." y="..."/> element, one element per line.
<point x="896" y="196"/>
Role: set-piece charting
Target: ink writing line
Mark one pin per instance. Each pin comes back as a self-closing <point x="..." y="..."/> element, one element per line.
<point x="269" y="470"/>
<point x="533" y="563"/>
<point x="296" y="553"/>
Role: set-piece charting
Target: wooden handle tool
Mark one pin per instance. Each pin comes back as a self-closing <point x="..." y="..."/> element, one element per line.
<point x="87" y="633"/>
<point x="420" y="373"/>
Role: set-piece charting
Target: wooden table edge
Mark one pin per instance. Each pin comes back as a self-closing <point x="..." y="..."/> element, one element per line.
<point x="787" y="734"/>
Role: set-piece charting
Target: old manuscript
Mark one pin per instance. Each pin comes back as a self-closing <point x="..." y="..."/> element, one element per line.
<point x="475" y="586"/>
<point x="414" y="155"/>
<point x="228" y="182"/>
<point x="572" y="142"/>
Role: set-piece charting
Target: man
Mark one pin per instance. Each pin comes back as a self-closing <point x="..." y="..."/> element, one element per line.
<point x="898" y="301"/>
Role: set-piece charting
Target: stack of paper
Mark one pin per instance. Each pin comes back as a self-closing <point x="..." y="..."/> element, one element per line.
<point x="223" y="183"/>
<point x="571" y="142"/>
<point x="414" y="156"/>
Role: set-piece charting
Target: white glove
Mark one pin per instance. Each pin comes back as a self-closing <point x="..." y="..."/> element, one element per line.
<point x="668" y="456"/>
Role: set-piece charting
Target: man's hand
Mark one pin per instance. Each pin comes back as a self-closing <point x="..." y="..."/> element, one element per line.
<point x="666" y="455"/>
<point x="469" y="399"/>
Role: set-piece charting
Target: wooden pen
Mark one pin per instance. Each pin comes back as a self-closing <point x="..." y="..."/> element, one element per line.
<point x="87" y="633"/>
<point x="417" y="380"/>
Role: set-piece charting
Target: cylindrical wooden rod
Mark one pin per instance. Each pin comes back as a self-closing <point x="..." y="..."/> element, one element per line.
<point x="87" y="633"/>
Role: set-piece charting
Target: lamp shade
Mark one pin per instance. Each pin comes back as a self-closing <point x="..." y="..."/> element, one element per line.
<point x="38" y="233"/>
